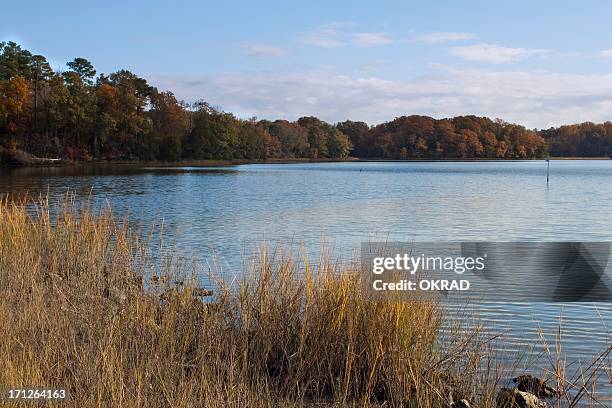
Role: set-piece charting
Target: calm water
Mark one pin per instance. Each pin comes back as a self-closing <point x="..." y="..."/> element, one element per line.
<point x="222" y="212"/>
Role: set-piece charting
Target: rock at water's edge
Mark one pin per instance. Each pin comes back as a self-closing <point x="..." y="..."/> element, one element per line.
<point x="512" y="398"/>
<point x="535" y="386"/>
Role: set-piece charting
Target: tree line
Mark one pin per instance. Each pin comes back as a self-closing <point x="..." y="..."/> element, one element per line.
<point x="582" y="140"/>
<point x="78" y="114"/>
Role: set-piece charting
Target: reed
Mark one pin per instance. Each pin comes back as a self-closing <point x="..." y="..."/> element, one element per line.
<point x="87" y="306"/>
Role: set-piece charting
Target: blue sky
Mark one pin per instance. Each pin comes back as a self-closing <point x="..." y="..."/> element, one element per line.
<point x="539" y="63"/>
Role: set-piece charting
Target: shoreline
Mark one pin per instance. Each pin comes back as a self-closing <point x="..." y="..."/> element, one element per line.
<point x="236" y="162"/>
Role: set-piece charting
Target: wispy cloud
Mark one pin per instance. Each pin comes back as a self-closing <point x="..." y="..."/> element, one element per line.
<point x="371" y="39"/>
<point x="533" y="98"/>
<point x="495" y="54"/>
<point x="340" y="35"/>
<point x="444" y="37"/>
<point x="262" y="50"/>
<point x="605" y="53"/>
<point x="325" y="36"/>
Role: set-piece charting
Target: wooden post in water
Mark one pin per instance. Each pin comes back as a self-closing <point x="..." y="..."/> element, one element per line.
<point x="547" y="169"/>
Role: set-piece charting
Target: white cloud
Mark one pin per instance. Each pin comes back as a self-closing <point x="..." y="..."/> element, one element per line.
<point x="532" y="98"/>
<point x="261" y="50"/>
<point x="494" y="53"/>
<point x="605" y="54"/>
<point x="339" y="35"/>
<point x="371" y="39"/>
<point x="444" y="37"/>
<point x="325" y="36"/>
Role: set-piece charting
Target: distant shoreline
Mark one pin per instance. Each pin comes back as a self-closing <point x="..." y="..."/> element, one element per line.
<point x="476" y="159"/>
<point x="236" y="162"/>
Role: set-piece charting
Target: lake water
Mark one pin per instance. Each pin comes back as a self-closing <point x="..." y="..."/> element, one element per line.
<point x="223" y="212"/>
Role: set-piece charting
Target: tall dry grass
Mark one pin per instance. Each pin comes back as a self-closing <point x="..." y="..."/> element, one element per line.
<point x="84" y="306"/>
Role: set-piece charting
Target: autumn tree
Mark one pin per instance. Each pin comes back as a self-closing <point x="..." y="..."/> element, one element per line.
<point x="108" y="116"/>
<point x="324" y="139"/>
<point x="317" y="136"/>
<point x="292" y="137"/>
<point x="584" y="139"/>
<point x="15" y="105"/>
<point x="132" y="125"/>
<point x="338" y="144"/>
<point x="256" y="142"/>
<point x="357" y="133"/>
<point x="169" y="123"/>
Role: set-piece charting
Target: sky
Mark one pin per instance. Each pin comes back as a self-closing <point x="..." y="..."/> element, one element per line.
<point x="537" y="63"/>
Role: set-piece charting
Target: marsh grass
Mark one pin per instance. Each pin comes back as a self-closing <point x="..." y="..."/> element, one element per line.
<point x="84" y="306"/>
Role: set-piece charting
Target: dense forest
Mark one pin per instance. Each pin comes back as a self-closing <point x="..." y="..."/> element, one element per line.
<point x="78" y="114"/>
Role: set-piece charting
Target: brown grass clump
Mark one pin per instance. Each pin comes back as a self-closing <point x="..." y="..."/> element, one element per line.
<point x="83" y="306"/>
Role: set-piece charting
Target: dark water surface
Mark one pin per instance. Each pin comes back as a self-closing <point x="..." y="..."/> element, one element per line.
<point x="222" y="212"/>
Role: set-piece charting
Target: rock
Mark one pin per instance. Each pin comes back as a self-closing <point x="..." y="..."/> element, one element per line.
<point x="201" y="292"/>
<point x="535" y="386"/>
<point x="462" y="403"/>
<point x="513" y="398"/>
